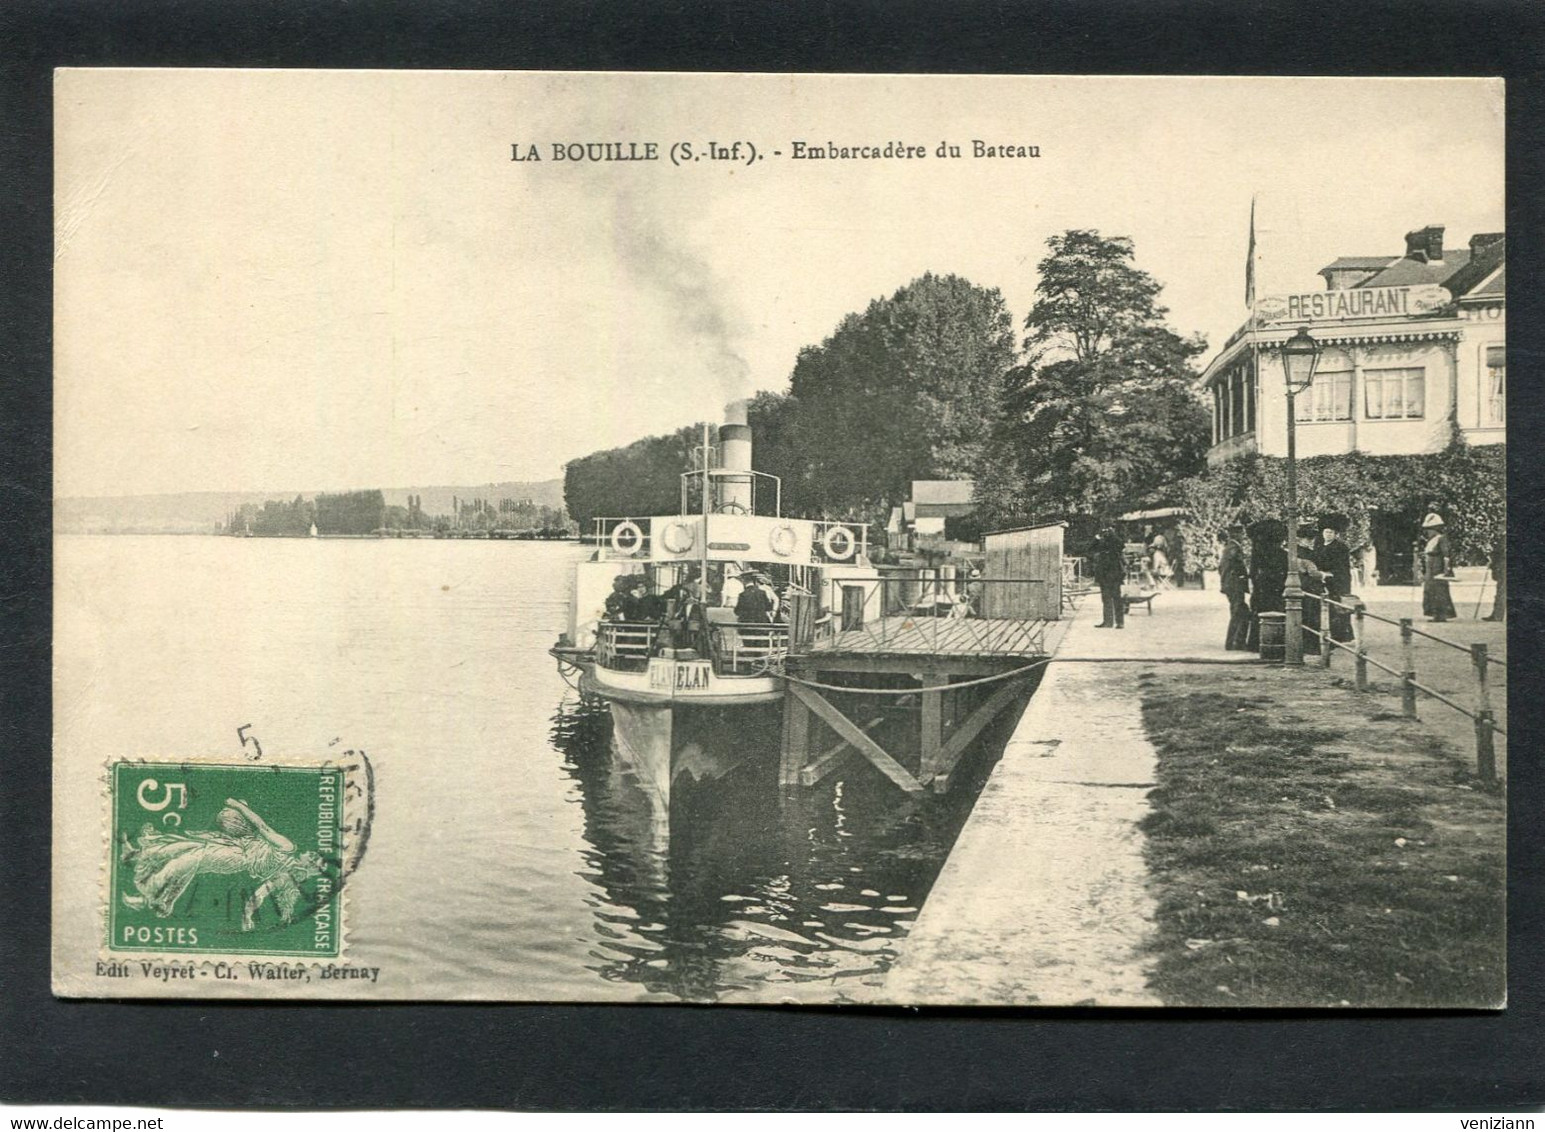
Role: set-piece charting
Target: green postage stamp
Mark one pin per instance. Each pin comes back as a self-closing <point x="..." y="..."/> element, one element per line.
<point x="220" y="859"/>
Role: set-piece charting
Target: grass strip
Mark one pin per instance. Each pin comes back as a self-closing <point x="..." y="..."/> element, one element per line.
<point x="1306" y="853"/>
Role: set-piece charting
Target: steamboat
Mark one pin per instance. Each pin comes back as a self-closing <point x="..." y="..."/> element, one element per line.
<point x="663" y="629"/>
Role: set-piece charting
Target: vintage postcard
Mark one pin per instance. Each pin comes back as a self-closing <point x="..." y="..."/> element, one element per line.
<point x="756" y="538"/>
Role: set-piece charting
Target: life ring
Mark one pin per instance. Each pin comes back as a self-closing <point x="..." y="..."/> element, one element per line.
<point x="834" y="535"/>
<point x="627" y="530"/>
<point x="784" y="539"/>
<point x="675" y="544"/>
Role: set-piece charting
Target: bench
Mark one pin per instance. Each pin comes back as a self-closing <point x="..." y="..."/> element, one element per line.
<point x="1129" y="600"/>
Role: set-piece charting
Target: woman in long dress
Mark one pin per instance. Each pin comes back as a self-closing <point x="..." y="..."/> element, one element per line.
<point x="1438" y="568"/>
<point x="1158" y="549"/>
<point x="166" y="863"/>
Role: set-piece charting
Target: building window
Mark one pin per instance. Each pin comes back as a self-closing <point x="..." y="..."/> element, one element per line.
<point x="1395" y="394"/>
<point x="1250" y="399"/>
<point x="1494" y="394"/>
<point x="1328" y="399"/>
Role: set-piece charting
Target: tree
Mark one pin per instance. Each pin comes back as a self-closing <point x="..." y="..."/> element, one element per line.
<point x="642" y="479"/>
<point x="1104" y="413"/>
<point x="1090" y="297"/>
<point x="350" y="512"/>
<point x="778" y="450"/>
<point x="900" y="392"/>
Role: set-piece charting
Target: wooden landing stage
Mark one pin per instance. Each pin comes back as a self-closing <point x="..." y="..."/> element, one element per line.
<point x="927" y="678"/>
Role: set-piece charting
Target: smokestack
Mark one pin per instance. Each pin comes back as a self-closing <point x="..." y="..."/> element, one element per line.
<point x="735" y="456"/>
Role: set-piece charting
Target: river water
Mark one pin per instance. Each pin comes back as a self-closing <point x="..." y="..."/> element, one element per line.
<point x="512" y="854"/>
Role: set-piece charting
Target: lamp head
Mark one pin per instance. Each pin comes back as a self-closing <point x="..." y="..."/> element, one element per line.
<point x="1300" y="354"/>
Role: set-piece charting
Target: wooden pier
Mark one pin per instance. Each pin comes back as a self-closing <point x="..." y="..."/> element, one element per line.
<point x="931" y="683"/>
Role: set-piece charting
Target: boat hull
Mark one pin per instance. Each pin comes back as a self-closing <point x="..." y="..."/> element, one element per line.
<point x="681" y="743"/>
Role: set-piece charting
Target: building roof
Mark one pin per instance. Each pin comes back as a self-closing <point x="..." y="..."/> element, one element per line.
<point x="1029" y="527"/>
<point x="944" y="510"/>
<point x="1496" y="285"/>
<point x="1359" y="263"/>
<point x="1480" y="276"/>
<point x="1408" y="272"/>
<point x="943" y="491"/>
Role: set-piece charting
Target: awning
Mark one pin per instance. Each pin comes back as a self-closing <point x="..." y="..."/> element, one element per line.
<point x="1156" y="513"/>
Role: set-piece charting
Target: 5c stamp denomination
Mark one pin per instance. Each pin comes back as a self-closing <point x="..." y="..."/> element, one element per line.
<point x="220" y="859"/>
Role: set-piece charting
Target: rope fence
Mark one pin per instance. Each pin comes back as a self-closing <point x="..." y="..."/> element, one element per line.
<point x="1482" y="713"/>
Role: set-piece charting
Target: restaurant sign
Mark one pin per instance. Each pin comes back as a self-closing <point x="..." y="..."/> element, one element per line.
<point x="1353" y="302"/>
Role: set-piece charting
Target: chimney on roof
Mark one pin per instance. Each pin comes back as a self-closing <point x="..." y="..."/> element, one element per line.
<point x="1483" y="240"/>
<point x="1425" y="244"/>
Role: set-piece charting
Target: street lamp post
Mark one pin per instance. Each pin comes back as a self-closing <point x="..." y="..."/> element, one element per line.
<point x="1300" y="354"/>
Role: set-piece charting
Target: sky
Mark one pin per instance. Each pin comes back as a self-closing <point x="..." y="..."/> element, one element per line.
<point x="306" y="280"/>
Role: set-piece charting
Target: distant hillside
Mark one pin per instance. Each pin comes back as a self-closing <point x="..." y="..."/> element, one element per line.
<point x="200" y="512"/>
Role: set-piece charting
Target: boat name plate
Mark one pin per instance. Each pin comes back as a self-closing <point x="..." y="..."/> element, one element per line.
<point x="679" y="675"/>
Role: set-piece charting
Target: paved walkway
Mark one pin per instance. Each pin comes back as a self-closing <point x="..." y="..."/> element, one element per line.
<point x="1044" y="898"/>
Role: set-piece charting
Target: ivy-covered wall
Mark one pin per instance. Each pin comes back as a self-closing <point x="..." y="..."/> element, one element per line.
<point x="1468" y="484"/>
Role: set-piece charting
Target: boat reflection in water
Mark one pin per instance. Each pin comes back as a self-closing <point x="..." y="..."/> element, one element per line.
<point x="727" y="889"/>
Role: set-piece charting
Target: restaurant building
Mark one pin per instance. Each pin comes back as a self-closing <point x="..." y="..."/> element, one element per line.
<point x="1412" y="347"/>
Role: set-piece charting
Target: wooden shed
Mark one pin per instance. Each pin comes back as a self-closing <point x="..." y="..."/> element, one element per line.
<point x="1024" y="553"/>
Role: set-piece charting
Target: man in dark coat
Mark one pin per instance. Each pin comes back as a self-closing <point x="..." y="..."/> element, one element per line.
<point x="753" y="607"/>
<point x="1234" y="580"/>
<point x="1110" y="570"/>
<point x="1268" y="572"/>
<point x="1334" y="559"/>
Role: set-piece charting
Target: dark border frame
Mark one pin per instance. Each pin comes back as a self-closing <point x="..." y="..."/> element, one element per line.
<point x="599" y="1058"/>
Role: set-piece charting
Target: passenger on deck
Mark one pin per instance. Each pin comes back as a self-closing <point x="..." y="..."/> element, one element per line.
<point x="729" y="593"/>
<point x="620" y="602"/>
<point x="637" y="596"/>
<point x="651" y="608"/>
<point x="755" y="606"/>
<point x="687" y="620"/>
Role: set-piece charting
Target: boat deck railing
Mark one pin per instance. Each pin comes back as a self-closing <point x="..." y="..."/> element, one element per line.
<point x="736" y="649"/>
<point x="626" y="646"/>
<point x="934" y="615"/>
<point x="743" y="649"/>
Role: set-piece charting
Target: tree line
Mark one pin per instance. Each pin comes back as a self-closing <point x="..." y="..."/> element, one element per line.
<point x="367" y="512"/>
<point x="1093" y="407"/>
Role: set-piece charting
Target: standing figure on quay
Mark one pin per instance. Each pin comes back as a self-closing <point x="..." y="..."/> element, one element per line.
<point x="1234" y="580"/>
<point x="1110" y="570"/>
<point x="1268" y="572"/>
<point x="1313" y="582"/>
<point x="1438" y="568"/>
<point x="1334" y="559"/>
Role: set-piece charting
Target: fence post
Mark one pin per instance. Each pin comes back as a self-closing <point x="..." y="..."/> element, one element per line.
<point x="1485" y="748"/>
<point x="1407" y="669"/>
<point x="1361" y="673"/>
<point x="1326" y="647"/>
